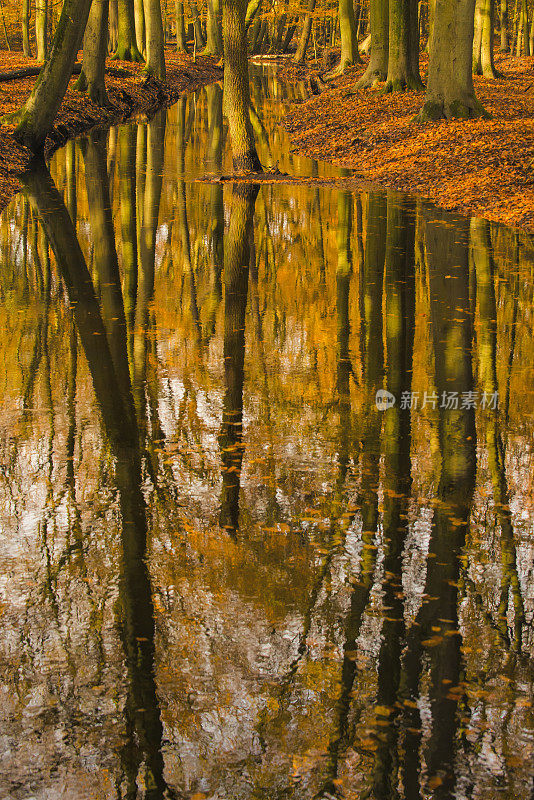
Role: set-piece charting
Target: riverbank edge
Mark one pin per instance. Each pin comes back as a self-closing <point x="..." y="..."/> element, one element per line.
<point x="473" y="167"/>
<point x="132" y="96"/>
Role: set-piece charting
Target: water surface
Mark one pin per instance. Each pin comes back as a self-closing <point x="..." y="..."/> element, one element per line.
<point x="225" y="573"/>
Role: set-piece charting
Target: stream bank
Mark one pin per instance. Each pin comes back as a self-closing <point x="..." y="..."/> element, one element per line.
<point x="129" y="92"/>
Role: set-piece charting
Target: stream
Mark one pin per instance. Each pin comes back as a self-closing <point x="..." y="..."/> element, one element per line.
<point x="267" y="479"/>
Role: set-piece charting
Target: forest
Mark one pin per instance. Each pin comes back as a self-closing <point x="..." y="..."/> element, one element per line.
<point x="267" y="407"/>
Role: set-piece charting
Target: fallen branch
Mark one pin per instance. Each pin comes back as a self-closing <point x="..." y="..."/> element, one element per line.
<point x="30" y="72"/>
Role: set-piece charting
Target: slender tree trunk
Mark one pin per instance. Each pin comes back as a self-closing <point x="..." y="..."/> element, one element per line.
<point x="26" y="49"/>
<point x="377" y="69"/>
<point x="236" y="88"/>
<point x="155" y="56"/>
<point x="36" y="118"/>
<point x="350" y="54"/>
<point x="214" y="28"/>
<point x="181" y="46"/>
<point x="300" y="54"/>
<point x="199" y="34"/>
<point x="41" y="29"/>
<point x="140" y="27"/>
<point x="450" y="91"/>
<point x="113" y="25"/>
<point x="95" y="48"/>
<point x="126" y="49"/>
<point x="505" y="44"/>
<point x="403" y="67"/>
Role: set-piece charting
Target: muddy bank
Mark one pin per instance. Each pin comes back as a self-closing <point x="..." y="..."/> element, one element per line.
<point x="130" y="95"/>
<point x="481" y="167"/>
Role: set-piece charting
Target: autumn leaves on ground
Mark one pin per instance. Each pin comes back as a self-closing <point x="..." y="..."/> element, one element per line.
<point x="482" y="167"/>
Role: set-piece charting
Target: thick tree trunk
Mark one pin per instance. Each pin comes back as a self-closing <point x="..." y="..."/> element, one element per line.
<point x="450" y="92"/>
<point x="305" y="34"/>
<point x="41" y="26"/>
<point x="377" y="68"/>
<point x="155" y="57"/>
<point x="36" y="117"/>
<point x="236" y="88"/>
<point x="95" y="48"/>
<point x="403" y="61"/>
<point x="126" y="49"/>
<point x="350" y="54"/>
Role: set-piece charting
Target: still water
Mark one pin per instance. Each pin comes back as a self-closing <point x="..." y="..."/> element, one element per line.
<point x="225" y="573"/>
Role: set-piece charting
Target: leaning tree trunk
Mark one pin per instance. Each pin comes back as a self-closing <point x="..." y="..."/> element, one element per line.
<point x="36" y="118"/>
<point x="300" y="54"/>
<point x="127" y="49"/>
<point x="155" y="56"/>
<point x="377" y="68"/>
<point x="41" y="26"/>
<point x="95" y="48"/>
<point x="403" y="60"/>
<point x="450" y="92"/>
<point x="236" y="88"/>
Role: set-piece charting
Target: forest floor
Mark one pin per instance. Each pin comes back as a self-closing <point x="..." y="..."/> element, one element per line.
<point x="478" y="167"/>
<point x="130" y="95"/>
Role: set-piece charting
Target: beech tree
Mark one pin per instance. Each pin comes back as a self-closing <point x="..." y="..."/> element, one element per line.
<point x="95" y="48"/>
<point x="450" y="91"/>
<point x="236" y="88"/>
<point x="127" y="49"/>
<point x="394" y="46"/>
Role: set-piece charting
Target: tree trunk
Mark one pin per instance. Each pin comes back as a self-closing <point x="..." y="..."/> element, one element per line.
<point x="450" y="91"/>
<point x="181" y="46"/>
<point x="26" y="49"/>
<point x="41" y="25"/>
<point x="236" y="88"/>
<point x="199" y="35"/>
<point x="505" y="44"/>
<point x="487" y="64"/>
<point x="140" y="28"/>
<point x="214" y="28"/>
<point x="127" y="49"/>
<point x="155" y="56"/>
<point x="113" y="25"/>
<point x="95" y="48"/>
<point x="377" y="68"/>
<point x="36" y="118"/>
<point x="350" y="54"/>
<point x="403" y="60"/>
<point x="300" y="54"/>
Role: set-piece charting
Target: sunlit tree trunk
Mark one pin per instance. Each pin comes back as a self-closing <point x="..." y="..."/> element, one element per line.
<point x="140" y="30"/>
<point x="377" y="69"/>
<point x="113" y="25"/>
<point x="214" y="28"/>
<point x="127" y="49"/>
<point x="26" y="49"/>
<point x="35" y="119"/>
<point x="155" y="56"/>
<point x="505" y="43"/>
<point x="181" y="46"/>
<point x="41" y="29"/>
<point x="450" y="91"/>
<point x="300" y="53"/>
<point x="483" y="63"/>
<point x="95" y="48"/>
<point x="350" y="54"/>
<point x="236" y="88"/>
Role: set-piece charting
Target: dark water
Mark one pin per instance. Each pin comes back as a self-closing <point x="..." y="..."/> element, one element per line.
<point x="224" y="573"/>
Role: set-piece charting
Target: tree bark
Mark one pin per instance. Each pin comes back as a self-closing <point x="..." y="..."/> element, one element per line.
<point x="505" y="44"/>
<point x="26" y="49"/>
<point x="127" y="49"/>
<point x="41" y="27"/>
<point x="95" y="48"/>
<point x="377" y="68"/>
<point x="350" y="54"/>
<point x="450" y="91"/>
<point x="403" y="58"/>
<point x="140" y="28"/>
<point x="155" y="56"/>
<point x="35" y="119"/>
<point x="236" y="88"/>
<point x="181" y="46"/>
<point x="214" y="28"/>
<point x="300" y="53"/>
